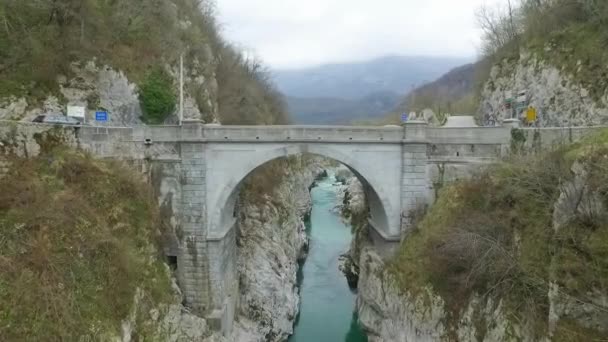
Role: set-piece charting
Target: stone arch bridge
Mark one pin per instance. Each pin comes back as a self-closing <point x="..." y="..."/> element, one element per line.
<point x="198" y="169"/>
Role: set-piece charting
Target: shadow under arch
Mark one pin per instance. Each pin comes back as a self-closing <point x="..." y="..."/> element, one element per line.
<point x="222" y="217"/>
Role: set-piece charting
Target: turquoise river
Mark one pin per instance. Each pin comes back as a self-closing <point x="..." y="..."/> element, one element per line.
<point x="327" y="304"/>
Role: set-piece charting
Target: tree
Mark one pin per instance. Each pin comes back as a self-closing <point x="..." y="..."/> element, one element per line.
<point x="499" y="28"/>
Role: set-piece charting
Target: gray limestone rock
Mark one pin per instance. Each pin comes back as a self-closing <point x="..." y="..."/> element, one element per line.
<point x="558" y="98"/>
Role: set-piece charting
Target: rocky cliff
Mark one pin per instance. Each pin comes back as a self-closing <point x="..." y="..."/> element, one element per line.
<point x="560" y="98"/>
<point x="101" y="87"/>
<point x="352" y="206"/>
<point x="271" y="241"/>
<point x="388" y="314"/>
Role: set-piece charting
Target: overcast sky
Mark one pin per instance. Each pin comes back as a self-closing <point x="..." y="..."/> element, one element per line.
<point x="297" y="33"/>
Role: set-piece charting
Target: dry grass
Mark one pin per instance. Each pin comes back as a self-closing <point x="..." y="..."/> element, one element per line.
<point x="493" y="236"/>
<point x="77" y="237"/>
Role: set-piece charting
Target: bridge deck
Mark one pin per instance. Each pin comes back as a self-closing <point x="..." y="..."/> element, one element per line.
<point x="412" y="132"/>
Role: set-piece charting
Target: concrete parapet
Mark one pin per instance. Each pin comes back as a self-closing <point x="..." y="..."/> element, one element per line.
<point x="415" y="131"/>
<point x="511" y="123"/>
<point x="308" y="134"/>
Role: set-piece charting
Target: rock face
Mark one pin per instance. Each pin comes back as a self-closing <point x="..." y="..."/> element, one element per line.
<point x="271" y="240"/>
<point x="351" y="203"/>
<point x="558" y="98"/>
<point x="170" y="322"/>
<point x="100" y="87"/>
<point x="578" y="198"/>
<point x="350" y="196"/>
<point x="389" y="315"/>
<point x="386" y="315"/>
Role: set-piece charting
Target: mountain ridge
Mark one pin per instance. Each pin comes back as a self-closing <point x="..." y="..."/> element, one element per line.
<point x="333" y="110"/>
<point x="354" y="80"/>
<point x="340" y="93"/>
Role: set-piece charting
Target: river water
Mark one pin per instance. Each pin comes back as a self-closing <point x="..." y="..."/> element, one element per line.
<point x="327" y="304"/>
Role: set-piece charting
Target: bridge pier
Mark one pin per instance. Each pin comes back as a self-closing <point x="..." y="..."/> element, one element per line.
<point x="206" y="262"/>
<point x="415" y="183"/>
<point x="193" y="252"/>
<point x="223" y="281"/>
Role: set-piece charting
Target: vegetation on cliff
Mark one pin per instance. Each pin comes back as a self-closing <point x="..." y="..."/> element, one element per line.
<point x="571" y="35"/>
<point x="157" y="96"/>
<point x="77" y="242"/>
<point x="515" y="233"/>
<point x="41" y="40"/>
<point x="77" y="236"/>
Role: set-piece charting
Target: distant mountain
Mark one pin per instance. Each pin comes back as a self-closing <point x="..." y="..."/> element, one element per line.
<point x="338" y="111"/>
<point x="342" y="93"/>
<point x="355" y="80"/>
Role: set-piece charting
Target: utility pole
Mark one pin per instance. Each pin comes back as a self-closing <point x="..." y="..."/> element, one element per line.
<point x="181" y="89"/>
<point x="413" y="98"/>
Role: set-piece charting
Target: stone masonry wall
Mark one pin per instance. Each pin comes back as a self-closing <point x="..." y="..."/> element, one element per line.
<point x="192" y="258"/>
<point x="415" y="185"/>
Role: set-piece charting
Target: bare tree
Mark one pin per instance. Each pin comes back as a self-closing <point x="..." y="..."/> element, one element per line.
<point x="596" y="9"/>
<point x="496" y="29"/>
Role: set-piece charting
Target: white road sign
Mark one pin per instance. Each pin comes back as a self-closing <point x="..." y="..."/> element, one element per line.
<point x="76" y="111"/>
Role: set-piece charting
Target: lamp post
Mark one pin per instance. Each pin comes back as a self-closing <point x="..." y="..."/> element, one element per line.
<point x="181" y="88"/>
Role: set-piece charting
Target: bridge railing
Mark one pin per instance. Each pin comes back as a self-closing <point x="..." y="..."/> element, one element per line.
<point x="298" y="134"/>
<point x="469" y="135"/>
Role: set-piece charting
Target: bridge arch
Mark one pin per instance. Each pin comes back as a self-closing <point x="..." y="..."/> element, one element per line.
<point x="221" y="211"/>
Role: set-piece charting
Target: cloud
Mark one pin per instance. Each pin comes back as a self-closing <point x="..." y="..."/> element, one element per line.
<point x="289" y="33"/>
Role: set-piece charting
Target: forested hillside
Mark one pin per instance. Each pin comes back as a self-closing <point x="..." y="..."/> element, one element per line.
<point x="58" y="52"/>
<point x="453" y="92"/>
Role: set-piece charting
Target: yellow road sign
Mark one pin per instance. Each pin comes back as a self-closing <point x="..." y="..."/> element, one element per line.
<point x="531" y="114"/>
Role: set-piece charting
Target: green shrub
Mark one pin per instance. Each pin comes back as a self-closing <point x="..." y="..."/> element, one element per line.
<point x="157" y="96"/>
<point x="518" y="140"/>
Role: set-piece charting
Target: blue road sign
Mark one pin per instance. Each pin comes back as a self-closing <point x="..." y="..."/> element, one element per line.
<point x="404" y="117"/>
<point x="101" y="116"/>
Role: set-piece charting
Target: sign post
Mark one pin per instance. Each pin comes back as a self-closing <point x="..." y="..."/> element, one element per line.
<point x="404" y="118"/>
<point x="531" y="115"/>
<point x="78" y="112"/>
<point x="101" y="116"/>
